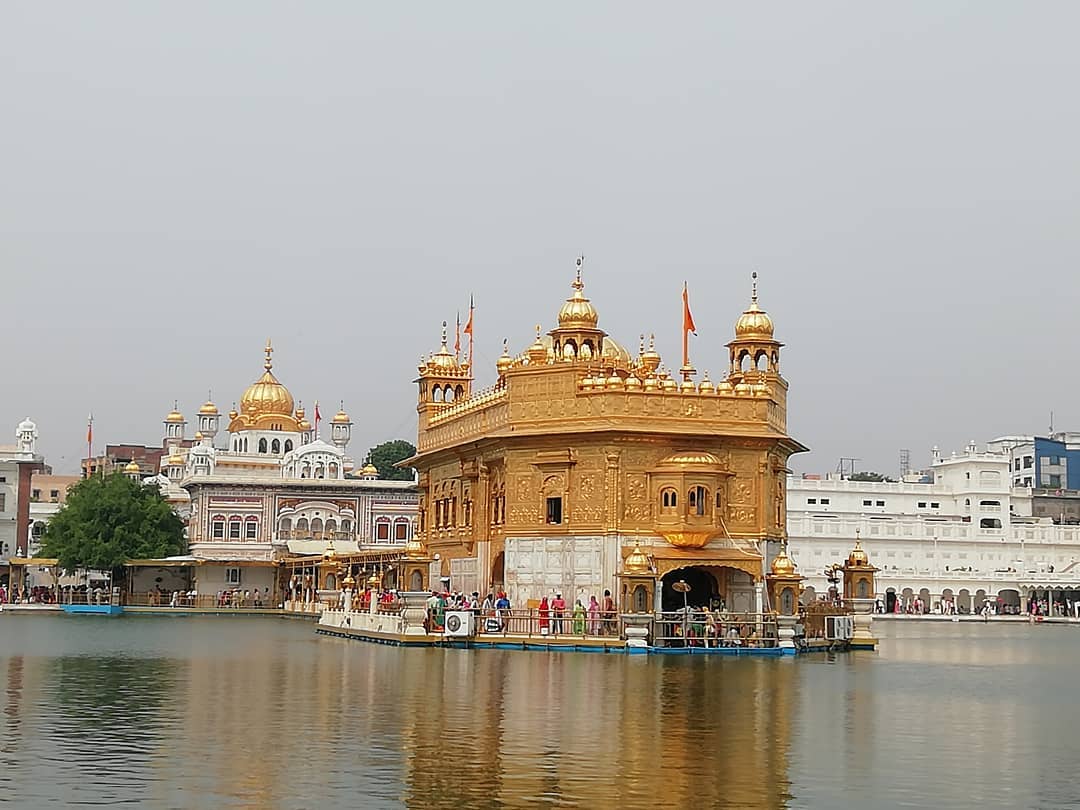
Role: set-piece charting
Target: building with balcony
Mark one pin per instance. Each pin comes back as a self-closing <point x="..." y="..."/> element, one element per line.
<point x="273" y="489"/>
<point x="967" y="536"/>
<point x="583" y="452"/>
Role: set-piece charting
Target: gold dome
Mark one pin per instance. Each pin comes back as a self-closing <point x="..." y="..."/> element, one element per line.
<point x="637" y="562"/>
<point x="505" y="361"/>
<point x="175" y="417"/>
<point x="370" y="469"/>
<point x="754" y="322"/>
<point x="537" y="352"/>
<point x="858" y="556"/>
<point x="340" y="418"/>
<point x="783" y="565"/>
<point x="132" y="467"/>
<point x="650" y="358"/>
<point x="266" y="395"/>
<point x="209" y="409"/>
<point x="198" y="435"/>
<point x="691" y="458"/>
<point x="175" y="460"/>
<point x="442" y="359"/>
<point x="578" y="311"/>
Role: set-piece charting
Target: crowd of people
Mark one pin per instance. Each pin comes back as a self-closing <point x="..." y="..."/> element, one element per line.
<point x="549" y="617"/>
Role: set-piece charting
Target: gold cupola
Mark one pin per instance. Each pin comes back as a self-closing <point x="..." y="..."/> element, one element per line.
<point x="266" y="395"/>
<point x="754" y="322"/>
<point x="208" y="409"/>
<point x="782" y="564"/>
<point x="174" y="417"/>
<point x="266" y="404"/>
<point x="578" y="311"/>
<point x="505" y="361"/>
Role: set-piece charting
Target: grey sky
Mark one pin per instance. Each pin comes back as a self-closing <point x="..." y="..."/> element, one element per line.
<point x="182" y="180"/>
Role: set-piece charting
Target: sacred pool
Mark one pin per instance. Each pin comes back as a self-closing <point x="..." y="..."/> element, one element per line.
<point x="262" y="713"/>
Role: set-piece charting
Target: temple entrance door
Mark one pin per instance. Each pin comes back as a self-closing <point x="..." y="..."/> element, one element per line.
<point x="703" y="588"/>
<point x="498" y="573"/>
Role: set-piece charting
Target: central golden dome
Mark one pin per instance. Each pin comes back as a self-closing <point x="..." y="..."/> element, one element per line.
<point x="266" y="395"/>
<point x="578" y="311"/>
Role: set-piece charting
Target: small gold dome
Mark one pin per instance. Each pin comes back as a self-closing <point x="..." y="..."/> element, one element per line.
<point x="209" y="409"/>
<point x="707" y="386"/>
<point x="340" y="418"/>
<point x="783" y="565"/>
<point x="754" y="322"/>
<point x="198" y="435"/>
<point x="132" y="467"/>
<point x="303" y="425"/>
<point x="537" y="352"/>
<point x="233" y="413"/>
<point x="858" y="556"/>
<point x="175" y="417"/>
<point x="175" y="460"/>
<point x="505" y="361"/>
<point x="637" y="562"/>
<point x="691" y="458"/>
<point x="578" y="311"/>
<point x="266" y="395"/>
<point x="369" y="469"/>
<point x="633" y="383"/>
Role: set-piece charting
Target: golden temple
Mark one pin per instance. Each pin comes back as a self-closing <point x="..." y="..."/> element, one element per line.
<point x="582" y="453"/>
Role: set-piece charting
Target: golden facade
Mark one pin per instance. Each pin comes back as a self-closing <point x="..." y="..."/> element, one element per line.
<point x="545" y="481"/>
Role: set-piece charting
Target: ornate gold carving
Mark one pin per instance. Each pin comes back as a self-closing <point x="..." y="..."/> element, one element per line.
<point x="587" y="487"/>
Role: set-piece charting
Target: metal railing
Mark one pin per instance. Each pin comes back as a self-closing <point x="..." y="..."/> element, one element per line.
<point x="695" y="628"/>
<point x="224" y="600"/>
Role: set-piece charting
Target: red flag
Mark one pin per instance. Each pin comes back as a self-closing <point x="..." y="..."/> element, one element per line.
<point x="90" y="431"/>
<point x="468" y="326"/>
<point x="687" y="318"/>
<point x="318" y="416"/>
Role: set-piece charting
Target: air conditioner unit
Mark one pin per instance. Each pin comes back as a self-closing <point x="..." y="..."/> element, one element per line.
<point x="460" y="623"/>
<point x="839" y="628"/>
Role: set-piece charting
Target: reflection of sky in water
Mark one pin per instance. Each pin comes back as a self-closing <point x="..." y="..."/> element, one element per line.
<point x="262" y="713"/>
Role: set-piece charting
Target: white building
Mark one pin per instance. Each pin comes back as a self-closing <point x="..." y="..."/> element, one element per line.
<point x="272" y="488"/>
<point x="18" y="462"/>
<point x="965" y="537"/>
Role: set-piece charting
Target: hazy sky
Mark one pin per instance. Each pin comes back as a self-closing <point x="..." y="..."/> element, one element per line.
<point x="181" y="181"/>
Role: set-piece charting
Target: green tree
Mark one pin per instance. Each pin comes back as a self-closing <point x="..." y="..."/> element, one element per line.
<point x="110" y="520"/>
<point x="384" y="456"/>
<point x="873" y="477"/>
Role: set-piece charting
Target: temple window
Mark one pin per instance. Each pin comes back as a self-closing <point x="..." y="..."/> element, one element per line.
<point x="262" y="445"/>
<point x="331" y="526"/>
<point x="288" y="445"/>
<point x="669" y="500"/>
<point x="346" y="526"/>
<point x="554" y="510"/>
<point x="275" y="446"/>
<point x="251" y="530"/>
<point x="382" y="530"/>
<point x="719" y="502"/>
<point x="234" y="529"/>
<point x="316" y="525"/>
<point x="218" y="528"/>
<point x="401" y="530"/>
<point x="333" y="470"/>
<point x="698" y="498"/>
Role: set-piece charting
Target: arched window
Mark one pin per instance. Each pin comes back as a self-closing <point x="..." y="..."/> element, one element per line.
<point x="669" y="500"/>
<point x="262" y="445"/>
<point x="217" y="527"/>
<point x="316" y="525"/>
<point x="234" y="528"/>
<point x="744" y="361"/>
<point x="346" y="525"/>
<point x="698" y="499"/>
<point x="331" y="526"/>
<point x="288" y="445"/>
<point x="302" y="525"/>
<point x="305" y="471"/>
<point x="320" y="471"/>
<point x="762" y="361"/>
<point x="251" y="529"/>
<point x="332" y="470"/>
<point x="286" y="524"/>
<point x="275" y="446"/>
<point x="38" y="530"/>
<point x="719" y="502"/>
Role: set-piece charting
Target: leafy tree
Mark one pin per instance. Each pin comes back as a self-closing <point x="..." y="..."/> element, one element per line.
<point x="384" y="456"/>
<point x="873" y="477"/>
<point x="110" y="520"/>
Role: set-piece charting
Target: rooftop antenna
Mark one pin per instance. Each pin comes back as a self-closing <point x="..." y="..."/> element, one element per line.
<point x="1051" y="422"/>
<point x="905" y="463"/>
<point x="846" y="466"/>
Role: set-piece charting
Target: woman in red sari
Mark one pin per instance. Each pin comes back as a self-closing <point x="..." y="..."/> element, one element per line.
<point x="545" y="612"/>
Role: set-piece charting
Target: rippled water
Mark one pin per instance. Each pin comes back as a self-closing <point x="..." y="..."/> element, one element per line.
<point x="262" y="713"/>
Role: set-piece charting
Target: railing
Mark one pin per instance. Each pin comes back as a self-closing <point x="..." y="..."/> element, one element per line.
<point x="694" y="628"/>
<point x="227" y="599"/>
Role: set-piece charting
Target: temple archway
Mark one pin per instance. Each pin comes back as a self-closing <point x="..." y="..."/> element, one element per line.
<point x="498" y="572"/>
<point x="704" y="589"/>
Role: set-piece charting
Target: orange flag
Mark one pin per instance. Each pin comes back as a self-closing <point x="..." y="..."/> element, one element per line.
<point x="687" y="318"/>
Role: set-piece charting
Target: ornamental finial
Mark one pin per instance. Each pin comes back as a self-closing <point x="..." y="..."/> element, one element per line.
<point x="578" y="285"/>
<point x="269" y="362"/>
<point x="753" y="287"/>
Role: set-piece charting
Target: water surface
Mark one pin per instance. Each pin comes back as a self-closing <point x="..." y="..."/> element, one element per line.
<point x="262" y="713"/>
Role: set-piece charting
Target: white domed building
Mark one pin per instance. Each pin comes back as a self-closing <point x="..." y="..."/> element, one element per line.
<point x="271" y="489"/>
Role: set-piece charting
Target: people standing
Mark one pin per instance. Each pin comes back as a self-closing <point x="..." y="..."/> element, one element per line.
<point x="579" y="618"/>
<point x="544" y="611"/>
<point x="609" y="614"/>
<point x="502" y="608"/>
<point x="594" y="616"/>
<point x="558" y="608"/>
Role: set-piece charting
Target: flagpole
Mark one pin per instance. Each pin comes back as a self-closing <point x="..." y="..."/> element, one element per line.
<point x="89" y="443"/>
<point x="688" y="326"/>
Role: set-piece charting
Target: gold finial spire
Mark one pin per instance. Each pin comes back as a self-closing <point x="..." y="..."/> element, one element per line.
<point x="269" y="362"/>
<point x="538" y="333"/>
<point x="444" y="333"/>
<point x="753" y="287"/>
<point x="641" y="344"/>
<point x="577" y="285"/>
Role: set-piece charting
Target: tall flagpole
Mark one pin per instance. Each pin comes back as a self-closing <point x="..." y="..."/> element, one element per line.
<point x="469" y="331"/>
<point x="688" y="326"/>
<point x="89" y="443"/>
